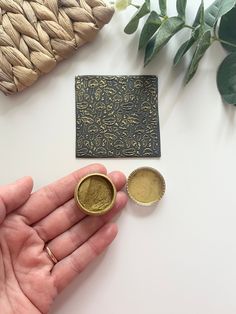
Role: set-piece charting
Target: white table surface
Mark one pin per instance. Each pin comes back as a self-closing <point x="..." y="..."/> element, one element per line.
<point x="177" y="258"/>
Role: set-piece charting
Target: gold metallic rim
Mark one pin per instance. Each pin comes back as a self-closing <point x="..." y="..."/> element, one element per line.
<point x="51" y="255"/>
<point x="162" y="181"/>
<point x="100" y="212"/>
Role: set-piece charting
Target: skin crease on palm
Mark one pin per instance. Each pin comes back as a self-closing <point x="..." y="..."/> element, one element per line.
<point x="29" y="280"/>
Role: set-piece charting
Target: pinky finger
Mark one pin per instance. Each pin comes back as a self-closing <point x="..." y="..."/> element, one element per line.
<point x="67" y="269"/>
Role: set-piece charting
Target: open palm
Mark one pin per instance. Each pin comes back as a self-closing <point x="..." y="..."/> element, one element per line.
<point x="29" y="280"/>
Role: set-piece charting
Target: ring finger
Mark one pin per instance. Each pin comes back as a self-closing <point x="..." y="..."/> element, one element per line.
<point x="69" y="241"/>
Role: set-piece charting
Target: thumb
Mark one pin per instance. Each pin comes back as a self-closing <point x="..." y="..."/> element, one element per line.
<point x="14" y="195"/>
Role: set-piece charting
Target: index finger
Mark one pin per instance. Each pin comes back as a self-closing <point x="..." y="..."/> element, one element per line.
<point x="14" y="195"/>
<point x="48" y="198"/>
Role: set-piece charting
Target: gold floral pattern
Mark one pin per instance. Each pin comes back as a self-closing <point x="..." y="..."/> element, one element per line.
<point x="117" y="116"/>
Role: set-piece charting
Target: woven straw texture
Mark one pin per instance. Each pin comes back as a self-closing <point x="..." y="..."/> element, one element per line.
<point x="35" y="35"/>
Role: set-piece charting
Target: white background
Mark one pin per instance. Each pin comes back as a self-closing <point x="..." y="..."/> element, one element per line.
<point x="177" y="258"/>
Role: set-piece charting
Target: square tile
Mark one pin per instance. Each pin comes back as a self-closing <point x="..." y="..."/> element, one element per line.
<point x="117" y="116"/>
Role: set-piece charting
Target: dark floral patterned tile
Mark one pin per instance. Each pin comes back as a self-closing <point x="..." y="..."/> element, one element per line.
<point x="117" y="116"/>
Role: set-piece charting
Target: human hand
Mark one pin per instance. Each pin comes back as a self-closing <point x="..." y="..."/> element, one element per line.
<point x="29" y="280"/>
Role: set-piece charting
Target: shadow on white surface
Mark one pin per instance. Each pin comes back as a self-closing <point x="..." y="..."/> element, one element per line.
<point x="142" y="211"/>
<point x="66" y="297"/>
<point x="230" y="112"/>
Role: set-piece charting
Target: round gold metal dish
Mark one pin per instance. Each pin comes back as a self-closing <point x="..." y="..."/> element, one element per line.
<point x="146" y="186"/>
<point x="95" y="194"/>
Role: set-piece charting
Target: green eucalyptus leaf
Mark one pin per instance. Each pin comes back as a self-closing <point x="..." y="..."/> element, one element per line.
<point x="198" y="25"/>
<point x="186" y="46"/>
<point x="202" y="15"/>
<point x="200" y="18"/>
<point x="167" y="29"/>
<point x="181" y="8"/>
<point x="150" y="27"/>
<point x="226" y="79"/>
<point x="227" y="29"/>
<point x="132" y="26"/>
<point x="162" y="5"/>
<point x="203" y="44"/>
<point x="216" y="10"/>
<point x="182" y="50"/>
<point x="199" y="15"/>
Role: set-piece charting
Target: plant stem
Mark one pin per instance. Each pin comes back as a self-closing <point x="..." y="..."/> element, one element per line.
<point x="224" y="41"/>
<point x="135" y="5"/>
<point x="188" y="26"/>
<point x="214" y="30"/>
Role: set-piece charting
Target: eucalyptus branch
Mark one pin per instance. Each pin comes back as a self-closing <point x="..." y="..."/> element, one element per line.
<point x="159" y="28"/>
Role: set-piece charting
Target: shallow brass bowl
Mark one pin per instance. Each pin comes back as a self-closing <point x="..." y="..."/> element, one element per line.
<point x="101" y="211"/>
<point x="149" y="184"/>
